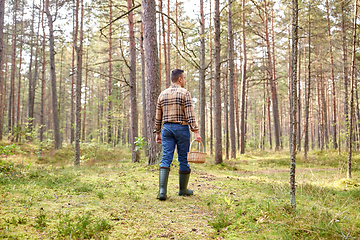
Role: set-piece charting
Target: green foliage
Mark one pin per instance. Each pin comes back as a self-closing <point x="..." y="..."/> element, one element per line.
<point x="8" y="149"/>
<point x="140" y="143"/>
<point x="82" y="227"/>
<point x="220" y="221"/>
<point x="40" y="220"/>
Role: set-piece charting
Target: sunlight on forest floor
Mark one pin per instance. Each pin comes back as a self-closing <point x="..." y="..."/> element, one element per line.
<point x="109" y="197"/>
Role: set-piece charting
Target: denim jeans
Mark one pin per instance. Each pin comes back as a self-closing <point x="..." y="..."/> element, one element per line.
<point x="174" y="134"/>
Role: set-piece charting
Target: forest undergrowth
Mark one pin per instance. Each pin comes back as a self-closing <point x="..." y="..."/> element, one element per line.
<point x="109" y="197"/>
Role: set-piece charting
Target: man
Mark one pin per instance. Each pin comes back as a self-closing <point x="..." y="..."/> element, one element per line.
<point x="175" y="110"/>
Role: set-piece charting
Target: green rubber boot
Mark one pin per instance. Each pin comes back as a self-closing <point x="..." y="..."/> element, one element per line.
<point x="163" y="181"/>
<point x="183" y="183"/>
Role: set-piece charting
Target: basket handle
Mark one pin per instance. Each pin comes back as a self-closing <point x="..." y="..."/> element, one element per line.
<point x="200" y="142"/>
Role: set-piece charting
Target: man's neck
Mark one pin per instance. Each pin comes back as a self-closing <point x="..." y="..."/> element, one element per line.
<point x="177" y="84"/>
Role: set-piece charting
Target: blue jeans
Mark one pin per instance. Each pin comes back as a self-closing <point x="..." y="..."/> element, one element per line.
<point x="174" y="134"/>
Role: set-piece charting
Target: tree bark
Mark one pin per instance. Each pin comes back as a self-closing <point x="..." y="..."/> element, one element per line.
<point x="79" y="49"/>
<point x="274" y="98"/>
<point x="72" y="101"/>
<point x="53" y="78"/>
<point x="352" y="86"/>
<point x="135" y="155"/>
<point x="344" y="65"/>
<point x="243" y="83"/>
<point x="42" y="98"/>
<point x="294" y="57"/>
<point x="202" y="74"/>
<point x="85" y="99"/>
<point x="217" y="98"/>
<point x="143" y="85"/>
<point x="152" y="74"/>
<point x="167" y="70"/>
<point x="211" y="86"/>
<point x="11" y="106"/>
<point x="334" y="120"/>
<point x="2" y="78"/>
<point x="231" y="84"/>
<point x="226" y="115"/>
<point x="307" y="90"/>
<point x="19" y="74"/>
<point x="109" y="114"/>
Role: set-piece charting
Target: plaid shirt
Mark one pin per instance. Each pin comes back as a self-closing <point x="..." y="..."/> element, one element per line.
<point x="175" y="106"/>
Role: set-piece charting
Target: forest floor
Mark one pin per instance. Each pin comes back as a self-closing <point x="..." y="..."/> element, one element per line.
<point x="109" y="197"/>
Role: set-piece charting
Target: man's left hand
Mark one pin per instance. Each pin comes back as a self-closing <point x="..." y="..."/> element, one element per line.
<point x="197" y="136"/>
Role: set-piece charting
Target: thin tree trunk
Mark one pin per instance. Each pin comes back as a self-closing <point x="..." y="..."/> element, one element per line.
<point x="226" y="115"/>
<point x="85" y="99"/>
<point x="334" y="120"/>
<point x="298" y="137"/>
<point x="294" y="58"/>
<point x="53" y="79"/>
<point x="42" y="98"/>
<point x="274" y="97"/>
<point x="202" y="73"/>
<point x="135" y="156"/>
<point x="2" y="78"/>
<point x="152" y="74"/>
<point x="167" y="71"/>
<point x="19" y="73"/>
<point x="78" y="48"/>
<point x="307" y="90"/>
<point x="211" y="86"/>
<point x="72" y="111"/>
<point x="344" y="66"/>
<point x="231" y="84"/>
<point x="243" y="84"/>
<point x="12" y="77"/>
<point x="109" y="116"/>
<point x="168" y="38"/>
<point x="217" y="99"/>
<point x="143" y="85"/>
<point x="352" y="89"/>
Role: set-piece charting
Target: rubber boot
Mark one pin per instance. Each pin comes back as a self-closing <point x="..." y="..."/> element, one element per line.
<point x="163" y="182"/>
<point x="183" y="183"/>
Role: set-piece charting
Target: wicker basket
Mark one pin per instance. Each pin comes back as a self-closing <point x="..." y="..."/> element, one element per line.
<point x="196" y="157"/>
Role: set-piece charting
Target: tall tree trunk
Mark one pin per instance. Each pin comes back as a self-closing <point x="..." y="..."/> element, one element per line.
<point x="274" y="98"/>
<point x="85" y="99"/>
<point x="167" y="71"/>
<point x="168" y="38"/>
<point x="298" y="133"/>
<point x="307" y="90"/>
<point x="42" y="98"/>
<point x="352" y="89"/>
<point x="78" y="48"/>
<point x="72" y="101"/>
<point x="143" y="85"/>
<point x="243" y="84"/>
<point x="294" y="58"/>
<point x="217" y="99"/>
<point x="226" y="115"/>
<point x="53" y="78"/>
<point x="2" y="78"/>
<point x="152" y="74"/>
<point x="344" y="65"/>
<point x="231" y="84"/>
<point x="334" y="120"/>
<point x="202" y="73"/>
<point x="135" y="156"/>
<point x="109" y="116"/>
<point x="19" y="73"/>
<point x="12" y="77"/>
<point x="211" y="86"/>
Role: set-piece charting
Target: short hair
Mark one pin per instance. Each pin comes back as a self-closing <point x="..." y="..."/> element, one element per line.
<point x="175" y="74"/>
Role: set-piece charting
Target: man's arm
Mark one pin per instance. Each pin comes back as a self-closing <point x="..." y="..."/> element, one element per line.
<point x="158" y="117"/>
<point x="189" y="113"/>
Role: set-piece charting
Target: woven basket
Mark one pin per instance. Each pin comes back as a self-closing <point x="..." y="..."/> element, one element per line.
<point x="196" y="157"/>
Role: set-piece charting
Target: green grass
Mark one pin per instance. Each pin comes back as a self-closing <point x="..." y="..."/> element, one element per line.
<point x="109" y="197"/>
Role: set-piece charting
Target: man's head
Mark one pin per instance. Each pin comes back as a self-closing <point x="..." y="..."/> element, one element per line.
<point x="177" y="76"/>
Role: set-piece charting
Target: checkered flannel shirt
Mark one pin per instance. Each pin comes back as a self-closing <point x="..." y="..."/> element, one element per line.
<point x="175" y="106"/>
